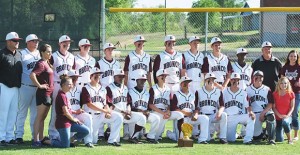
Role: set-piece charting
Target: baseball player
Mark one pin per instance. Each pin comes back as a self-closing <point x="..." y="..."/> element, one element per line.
<point x="30" y="55"/>
<point x="107" y="65"/>
<point x="218" y="64"/>
<point x="173" y="63"/>
<point x="93" y="97"/>
<point x="261" y="100"/>
<point x="241" y="67"/>
<point x="210" y="103"/>
<point x="235" y="100"/>
<point x="10" y="82"/>
<point x="137" y="62"/>
<point x="62" y="61"/>
<point x="139" y="98"/>
<point x="184" y="102"/>
<point x="117" y="97"/>
<point x="84" y="62"/>
<point x="74" y="97"/>
<point x="159" y="102"/>
<point x="194" y="62"/>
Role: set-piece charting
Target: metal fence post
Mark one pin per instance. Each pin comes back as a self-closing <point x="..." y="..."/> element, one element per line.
<point x="103" y="27"/>
<point x="206" y="30"/>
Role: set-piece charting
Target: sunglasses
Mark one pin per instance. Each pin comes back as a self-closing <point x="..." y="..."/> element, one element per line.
<point x="16" y="41"/>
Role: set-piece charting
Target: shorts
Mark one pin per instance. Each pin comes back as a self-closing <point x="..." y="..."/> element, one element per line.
<point x="42" y="98"/>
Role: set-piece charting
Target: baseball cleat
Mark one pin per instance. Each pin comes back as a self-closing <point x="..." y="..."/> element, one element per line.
<point x="223" y="141"/>
<point x="135" y="141"/>
<point x="203" y="142"/>
<point x="153" y="141"/>
<point x="89" y="145"/>
<point x="19" y="141"/>
<point x="114" y="144"/>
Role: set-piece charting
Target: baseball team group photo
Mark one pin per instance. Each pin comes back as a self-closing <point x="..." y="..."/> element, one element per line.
<point x="222" y="86"/>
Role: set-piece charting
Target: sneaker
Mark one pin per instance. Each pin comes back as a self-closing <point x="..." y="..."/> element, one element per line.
<point x="72" y="145"/>
<point x="249" y="142"/>
<point x="153" y="141"/>
<point x="223" y="141"/>
<point x="19" y="141"/>
<point x="100" y="138"/>
<point x="44" y="139"/>
<point x="3" y="143"/>
<point x="195" y="136"/>
<point x="159" y="138"/>
<point x="12" y="142"/>
<point x="290" y="142"/>
<point x="126" y="137"/>
<point x="36" y="144"/>
<point x="135" y="141"/>
<point x="271" y="142"/>
<point x="144" y="137"/>
<point x="203" y="142"/>
<point x="295" y="139"/>
<point x="89" y="145"/>
<point x="171" y="135"/>
<point x="114" y="144"/>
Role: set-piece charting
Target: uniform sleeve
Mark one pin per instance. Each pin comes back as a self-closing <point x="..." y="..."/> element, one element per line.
<point x="126" y="65"/>
<point x="205" y="67"/>
<point x="174" y="102"/>
<point x="270" y="97"/>
<point x="85" y="96"/>
<point x="279" y="67"/>
<point x="229" y="67"/>
<point x="156" y="67"/>
<point x="246" y="103"/>
<point x="221" y="101"/>
<point x="38" y="68"/>
<point x="151" y="98"/>
<point x="109" y="97"/>
<point x="183" y="62"/>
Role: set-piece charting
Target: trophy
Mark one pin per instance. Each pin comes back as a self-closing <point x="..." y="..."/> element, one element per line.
<point x="187" y="130"/>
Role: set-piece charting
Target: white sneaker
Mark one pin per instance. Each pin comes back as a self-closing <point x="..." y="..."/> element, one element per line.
<point x="171" y="135"/>
<point x="290" y="142"/>
<point x="295" y="139"/>
<point x="126" y="137"/>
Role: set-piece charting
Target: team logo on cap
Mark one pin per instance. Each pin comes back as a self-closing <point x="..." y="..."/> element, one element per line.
<point x="235" y="75"/>
<point x="171" y="37"/>
<point x="141" y="37"/>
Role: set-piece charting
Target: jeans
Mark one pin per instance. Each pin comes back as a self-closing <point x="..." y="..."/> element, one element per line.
<point x="65" y="135"/>
<point x="282" y="124"/>
<point x="295" y="120"/>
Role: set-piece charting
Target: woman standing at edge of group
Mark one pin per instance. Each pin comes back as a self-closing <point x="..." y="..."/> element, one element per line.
<point x="291" y="70"/>
<point x="284" y="99"/>
<point x="42" y="77"/>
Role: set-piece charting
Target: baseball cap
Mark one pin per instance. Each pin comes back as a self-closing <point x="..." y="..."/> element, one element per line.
<point x="209" y="75"/>
<point x="142" y="77"/>
<point x="241" y="50"/>
<point x="235" y="76"/>
<point x="64" y="38"/>
<point x="192" y="38"/>
<point x="109" y="45"/>
<point x="170" y="38"/>
<point x="73" y="73"/>
<point x="185" y="79"/>
<point x="161" y="72"/>
<point x="95" y="70"/>
<point x="214" y="40"/>
<point x="119" y="72"/>
<point x="139" y="38"/>
<point x="258" y="73"/>
<point x="32" y="37"/>
<point x="12" y="36"/>
<point x="266" y="44"/>
<point x="84" y="42"/>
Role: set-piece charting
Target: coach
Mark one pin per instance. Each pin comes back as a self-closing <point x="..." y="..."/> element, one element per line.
<point x="269" y="65"/>
<point x="10" y="82"/>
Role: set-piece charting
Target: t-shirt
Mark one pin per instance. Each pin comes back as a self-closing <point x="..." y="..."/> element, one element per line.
<point x="293" y="74"/>
<point x="44" y="75"/>
<point x="61" y="120"/>
<point x="283" y="103"/>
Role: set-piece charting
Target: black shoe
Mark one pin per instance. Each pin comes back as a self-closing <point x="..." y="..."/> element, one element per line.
<point x="19" y="141"/>
<point x="135" y="141"/>
<point x="89" y="145"/>
<point x="240" y="137"/>
<point x="223" y="141"/>
<point x="72" y="145"/>
<point x="44" y="139"/>
<point x="153" y="141"/>
<point x="114" y="144"/>
<point x="249" y="143"/>
<point x="271" y="142"/>
<point x="101" y="138"/>
<point x="3" y="143"/>
<point x="12" y="142"/>
<point x="203" y="142"/>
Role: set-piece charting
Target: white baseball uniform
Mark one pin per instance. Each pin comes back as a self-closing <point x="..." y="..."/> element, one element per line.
<point x="186" y="102"/>
<point x="27" y="92"/>
<point x="108" y="71"/>
<point x="160" y="97"/>
<point x="83" y="66"/>
<point x="97" y="95"/>
<point x="193" y="69"/>
<point x="208" y="104"/>
<point x="234" y="104"/>
<point x="74" y="97"/>
<point x="245" y="72"/>
<point x="61" y="65"/>
<point x="139" y="101"/>
<point x="136" y="66"/>
<point x="172" y="64"/>
<point x="258" y="100"/>
<point x="117" y="96"/>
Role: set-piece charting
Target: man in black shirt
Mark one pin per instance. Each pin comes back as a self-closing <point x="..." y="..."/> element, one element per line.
<point x="269" y="65"/>
<point x="10" y="82"/>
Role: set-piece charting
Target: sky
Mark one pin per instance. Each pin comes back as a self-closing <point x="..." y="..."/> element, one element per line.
<point x="170" y="3"/>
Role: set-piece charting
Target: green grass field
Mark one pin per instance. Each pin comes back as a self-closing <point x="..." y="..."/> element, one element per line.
<point x="165" y="147"/>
